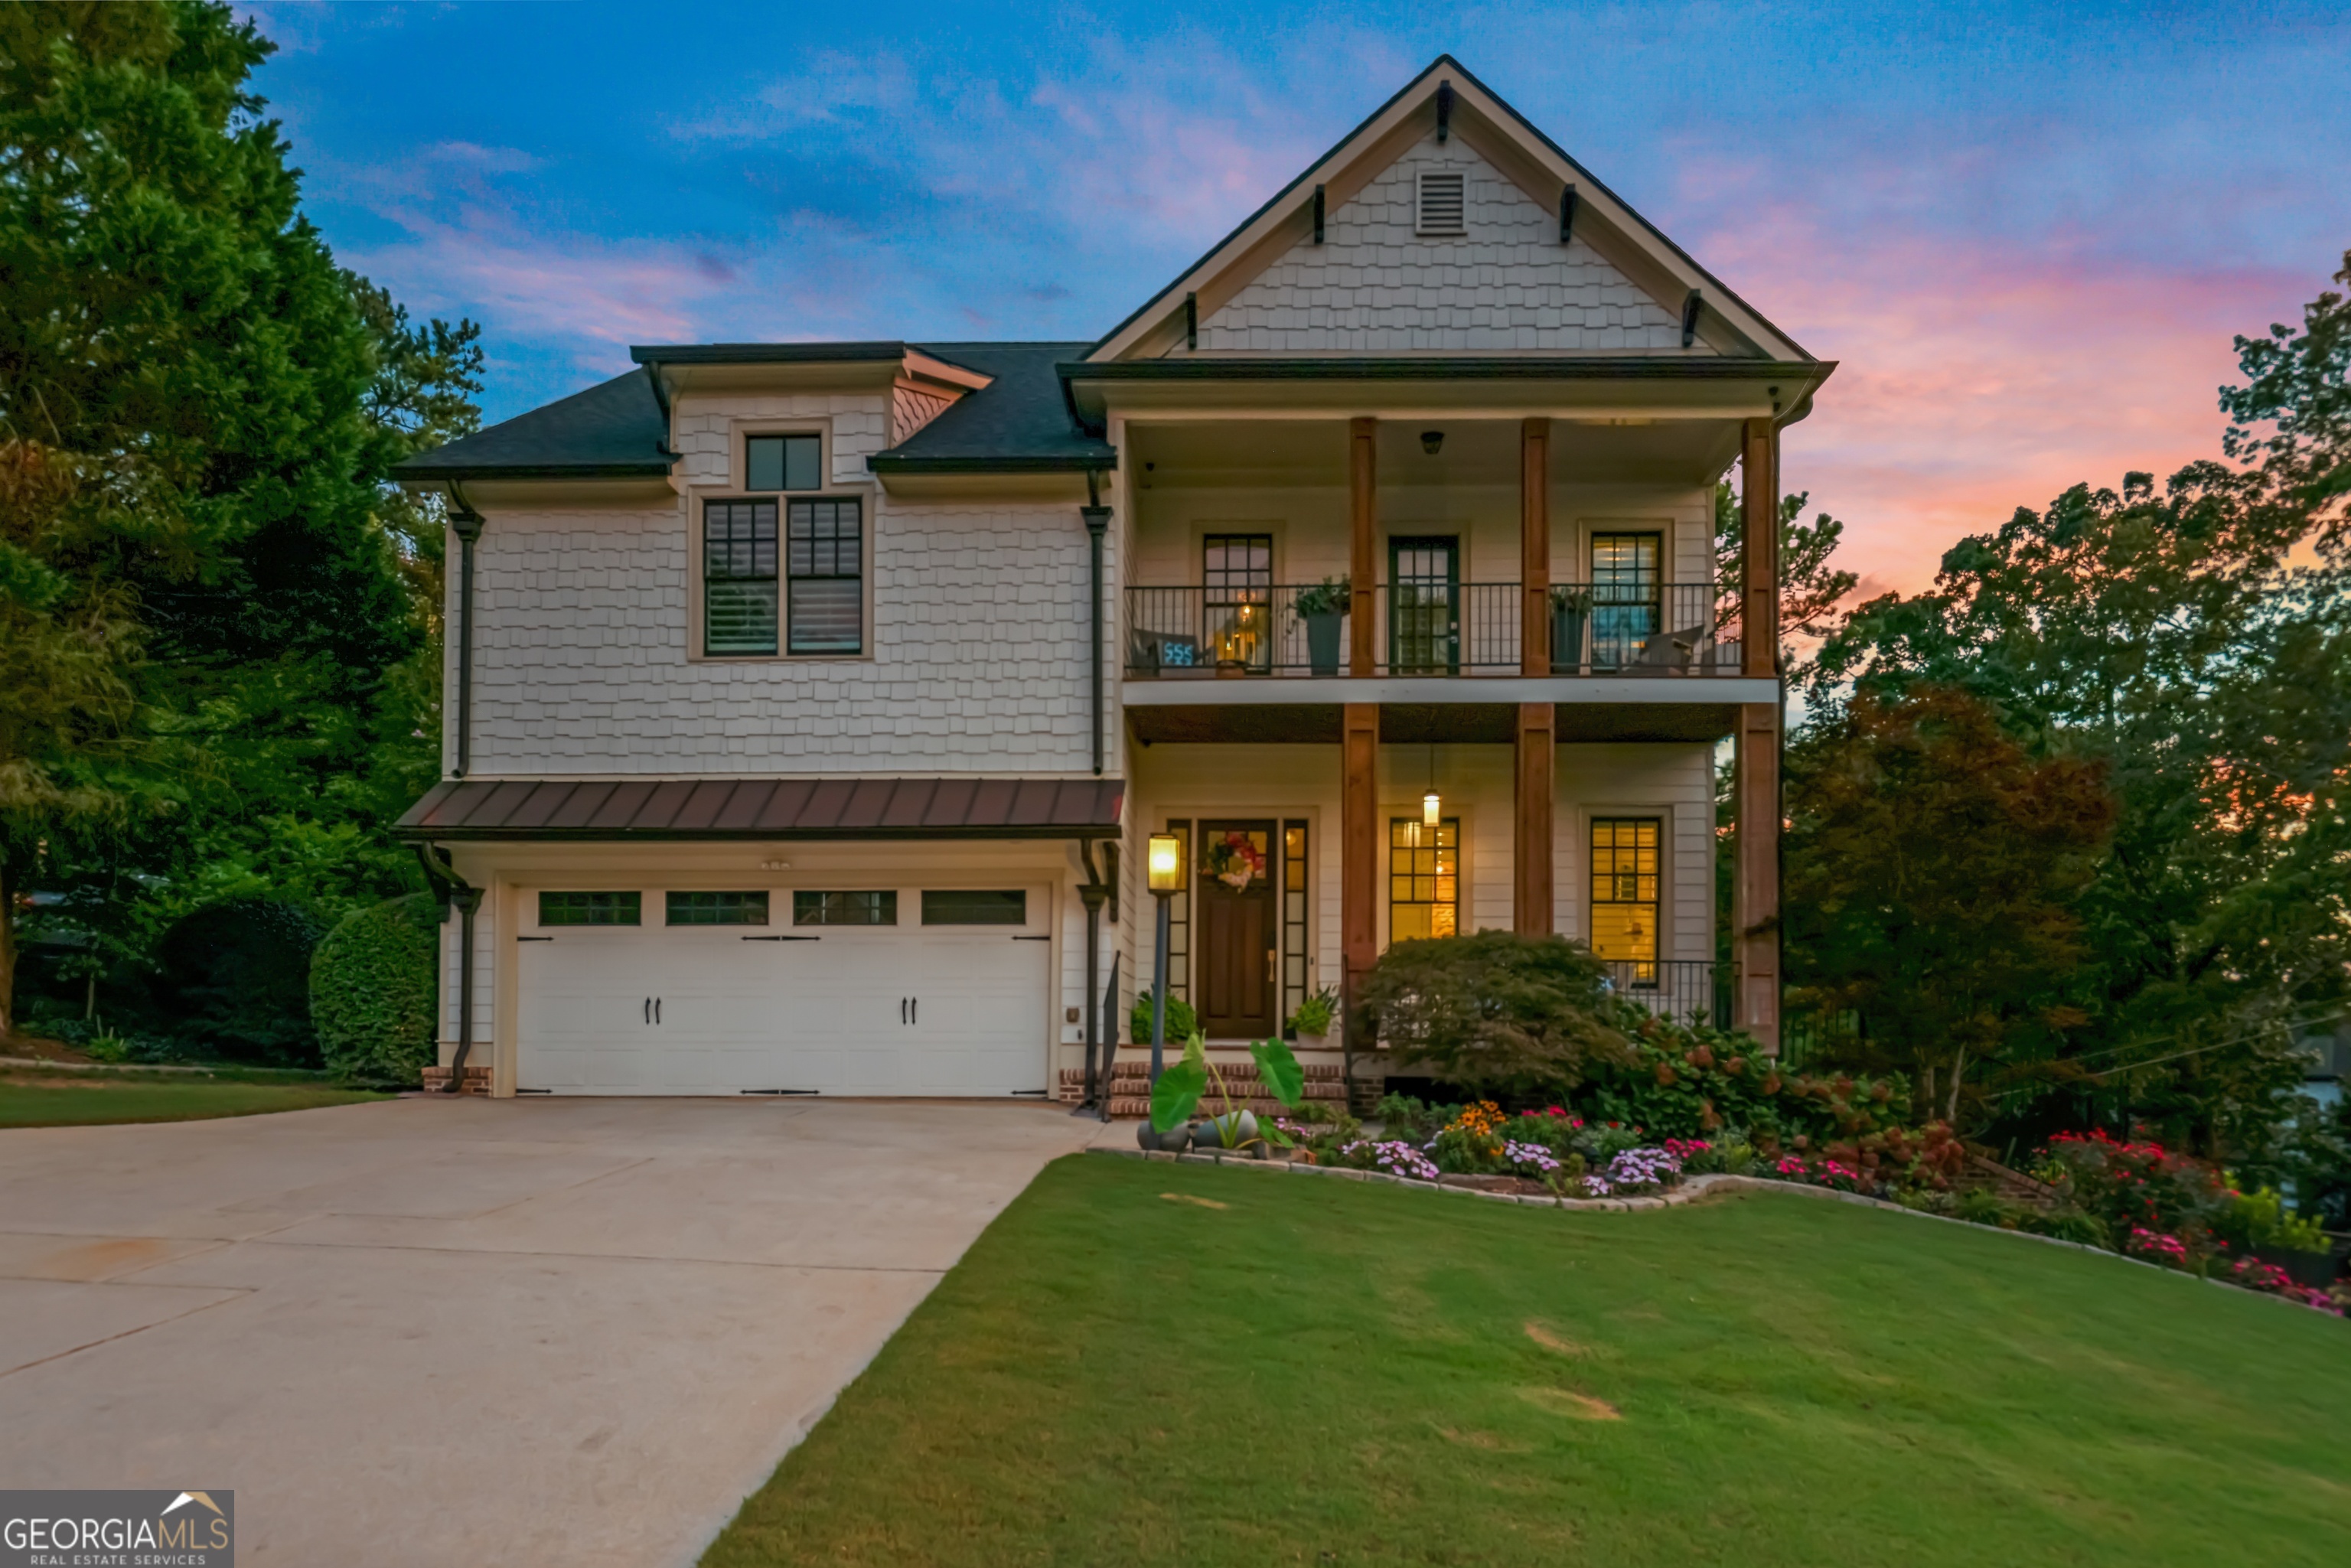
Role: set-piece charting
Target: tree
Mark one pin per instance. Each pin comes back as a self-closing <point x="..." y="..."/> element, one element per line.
<point x="199" y="408"/>
<point x="1933" y="865"/>
<point x="1810" y="589"/>
<point x="2292" y="415"/>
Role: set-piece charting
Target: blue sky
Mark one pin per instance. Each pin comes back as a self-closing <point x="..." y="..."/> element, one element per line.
<point x="2027" y="231"/>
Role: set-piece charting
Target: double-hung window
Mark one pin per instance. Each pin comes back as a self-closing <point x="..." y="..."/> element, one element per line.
<point x="783" y="574"/>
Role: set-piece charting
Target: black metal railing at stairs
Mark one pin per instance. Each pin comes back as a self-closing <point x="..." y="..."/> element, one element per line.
<point x="1425" y="627"/>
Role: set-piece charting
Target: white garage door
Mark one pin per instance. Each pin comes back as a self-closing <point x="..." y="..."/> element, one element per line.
<point x="914" y="1007"/>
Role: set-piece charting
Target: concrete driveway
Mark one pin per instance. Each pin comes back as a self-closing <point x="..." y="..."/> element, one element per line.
<point x="432" y="1331"/>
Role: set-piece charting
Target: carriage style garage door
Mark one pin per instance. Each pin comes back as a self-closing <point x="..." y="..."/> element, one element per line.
<point x="872" y="991"/>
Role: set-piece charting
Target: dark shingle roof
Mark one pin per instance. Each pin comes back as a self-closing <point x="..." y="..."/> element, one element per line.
<point x="611" y="431"/>
<point x="1019" y="422"/>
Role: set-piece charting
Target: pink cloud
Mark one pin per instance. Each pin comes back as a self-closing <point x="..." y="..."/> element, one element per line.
<point x="1978" y="376"/>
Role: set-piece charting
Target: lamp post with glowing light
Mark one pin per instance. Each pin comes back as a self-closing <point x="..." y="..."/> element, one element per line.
<point x="1165" y="879"/>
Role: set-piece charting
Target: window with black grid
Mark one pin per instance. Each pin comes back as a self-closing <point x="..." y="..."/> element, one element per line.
<point x="1293" y="919"/>
<point x="589" y="908"/>
<point x="1624" y="856"/>
<point x="1627" y="593"/>
<point x="825" y="563"/>
<point x="1424" y="878"/>
<point x="739" y="576"/>
<point x="875" y="907"/>
<point x="718" y="908"/>
<point x="1236" y="581"/>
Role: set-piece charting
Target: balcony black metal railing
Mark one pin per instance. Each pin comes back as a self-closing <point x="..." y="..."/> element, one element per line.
<point x="1448" y="629"/>
<point x="1675" y="987"/>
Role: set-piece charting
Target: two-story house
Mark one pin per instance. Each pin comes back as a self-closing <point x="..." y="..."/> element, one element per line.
<point x="810" y="704"/>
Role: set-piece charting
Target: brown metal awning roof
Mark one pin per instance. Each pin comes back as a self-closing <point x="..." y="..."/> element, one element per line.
<point x="546" y="811"/>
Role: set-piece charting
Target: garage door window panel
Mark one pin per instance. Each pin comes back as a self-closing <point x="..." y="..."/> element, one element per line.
<point x="974" y="906"/>
<point x="718" y="908"/>
<point x="591" y="908"/>
<point x="877" y="907"/>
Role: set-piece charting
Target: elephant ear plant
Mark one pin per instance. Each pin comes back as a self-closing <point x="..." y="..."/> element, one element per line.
<point x="1178" y="1093"/>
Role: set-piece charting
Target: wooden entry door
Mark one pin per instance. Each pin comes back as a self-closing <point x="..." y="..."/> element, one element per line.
<point x="1238" y="943"/>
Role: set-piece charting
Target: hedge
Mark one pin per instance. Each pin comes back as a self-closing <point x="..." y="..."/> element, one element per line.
<point x="372" y="993"/>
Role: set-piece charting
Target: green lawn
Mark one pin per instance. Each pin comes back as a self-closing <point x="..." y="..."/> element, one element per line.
<point x="31" y="1097"/>
<point x="1326" y="1371"/>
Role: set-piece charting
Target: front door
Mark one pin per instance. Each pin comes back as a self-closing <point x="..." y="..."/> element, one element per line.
<point x="1237" y="995"/>
<point x="1425" y="609"/>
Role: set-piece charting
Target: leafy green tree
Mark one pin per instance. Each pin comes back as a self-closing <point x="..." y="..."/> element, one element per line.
<point x="2193" y="640"/>
<point x="1933" y="868"/>
<point x="198" y="408"/>
<point x="1810" y="588"/>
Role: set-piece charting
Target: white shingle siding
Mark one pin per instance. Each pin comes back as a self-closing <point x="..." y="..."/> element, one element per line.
<point x="703" y="429"/>
<point x="978" y="652"/>
<point x="1376" y="286"/>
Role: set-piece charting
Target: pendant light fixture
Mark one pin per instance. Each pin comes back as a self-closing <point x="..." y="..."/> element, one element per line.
<point x="1431" y="807"/>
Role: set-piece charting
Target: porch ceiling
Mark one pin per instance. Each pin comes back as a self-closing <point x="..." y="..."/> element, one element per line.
<point x="1313" y="451"/>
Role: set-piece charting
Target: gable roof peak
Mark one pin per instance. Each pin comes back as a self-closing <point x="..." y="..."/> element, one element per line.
<point x="1447" y="102"/>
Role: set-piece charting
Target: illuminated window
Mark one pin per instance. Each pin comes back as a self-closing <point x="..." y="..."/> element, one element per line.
<point x="1624" y="893"/>
<point x="1237" y="577"/>
<point x="1424" y="878"/>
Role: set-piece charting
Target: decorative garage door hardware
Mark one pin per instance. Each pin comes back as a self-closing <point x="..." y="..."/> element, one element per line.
<point x="909" y="1007"/>
<point x="1032" y="939"/>
<point x="779" y="1092"/>
<point x="652" y="1009"/>
<point x="534" y="938"/>
<point x="783" y="938"/>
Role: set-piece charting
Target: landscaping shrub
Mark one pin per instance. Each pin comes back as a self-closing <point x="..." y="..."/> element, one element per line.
<point x="1495" y="1011"/>
<point x="372" y="992"/>
<point x="2259" y="1218"/>
<point x="2138" y="1187"/>
<point x="1182" y="1023"/>
<point x="234" y="981"/>
<point x="1687" y="1081"/>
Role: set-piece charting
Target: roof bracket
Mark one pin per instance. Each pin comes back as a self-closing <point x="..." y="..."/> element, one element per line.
<point x="1689" y="318"/>
<point x="1444" y="111"/>
<point x="661" y="397"/>
<point x="1318" y="214"/>
<point x="1191" y="320"/>
<point x="1566" y="213"/>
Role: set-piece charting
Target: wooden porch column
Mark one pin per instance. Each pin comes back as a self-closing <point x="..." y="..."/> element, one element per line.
<point x="1755" y="878"/>
<point x="1363" y="556"/>
<point x="1534" y="553"/>
<point x="1531" y="846"/>
<point x="1359" y="860"/>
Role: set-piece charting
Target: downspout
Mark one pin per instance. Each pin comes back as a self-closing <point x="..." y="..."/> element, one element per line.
<point x="1097" y="518"/>
<point x="1095" y="893"/>
<point x="466" y="524"/>
<point x="467" y="900"/>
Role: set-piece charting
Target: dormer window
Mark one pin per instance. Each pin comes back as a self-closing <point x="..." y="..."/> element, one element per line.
<point x="1440" y="208"/>
<point x="783" y="463"/>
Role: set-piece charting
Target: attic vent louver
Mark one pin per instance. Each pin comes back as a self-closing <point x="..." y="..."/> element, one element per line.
<point x="1440" y="205"/>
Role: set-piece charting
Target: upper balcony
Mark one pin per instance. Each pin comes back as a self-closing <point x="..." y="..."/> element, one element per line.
<point x="1432" y="626"/>
<point x="1438" y="561"/>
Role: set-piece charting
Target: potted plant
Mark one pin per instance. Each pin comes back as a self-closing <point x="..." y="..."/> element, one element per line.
<point x="1320" y="607"/>
<point x="1312" y="1021"/>
<point x="1570" y="612"/>
<point x="1177" y="1094"/>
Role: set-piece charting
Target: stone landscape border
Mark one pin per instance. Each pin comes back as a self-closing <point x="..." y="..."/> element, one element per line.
<point x="1691" y="1189"/>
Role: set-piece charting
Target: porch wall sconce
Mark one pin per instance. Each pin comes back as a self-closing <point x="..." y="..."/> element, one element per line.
<point x="1163" y="864"/>
<point x="1432" y="441"/>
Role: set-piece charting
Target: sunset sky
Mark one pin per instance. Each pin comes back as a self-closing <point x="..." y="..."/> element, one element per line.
<point x="2027" y="231"/>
